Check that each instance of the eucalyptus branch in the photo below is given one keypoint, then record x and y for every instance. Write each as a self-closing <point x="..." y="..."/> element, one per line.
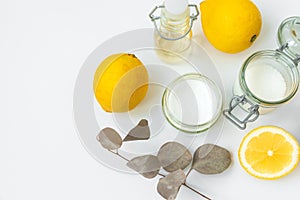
<point x="173" y="157"/>
<point x="162" y="175"/>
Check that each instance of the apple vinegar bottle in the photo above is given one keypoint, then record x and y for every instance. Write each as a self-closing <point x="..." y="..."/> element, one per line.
<point x="173" y="28"/>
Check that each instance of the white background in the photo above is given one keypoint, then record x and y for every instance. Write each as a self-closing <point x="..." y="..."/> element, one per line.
<point x="42" y="47"/>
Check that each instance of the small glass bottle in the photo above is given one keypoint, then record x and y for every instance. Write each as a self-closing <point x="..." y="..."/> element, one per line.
<point x="173" y="28"/>
<point x="268" y="78"/>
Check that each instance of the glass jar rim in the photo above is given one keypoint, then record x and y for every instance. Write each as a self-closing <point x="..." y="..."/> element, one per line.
<point x="185" y="127"/>
<point x="257" y="100"/>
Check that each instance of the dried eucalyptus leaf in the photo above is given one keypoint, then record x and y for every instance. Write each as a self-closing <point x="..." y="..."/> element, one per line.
<point x="109" y="139"/>
<point x="211" y="159"/>
<point x="168" y="186"/>
<point x="139" y="132"/>
<point x="174" y="156"/>
<point x="147" y="165"/>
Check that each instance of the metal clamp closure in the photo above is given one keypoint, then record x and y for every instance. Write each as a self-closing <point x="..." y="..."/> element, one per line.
<point x="285" y="46"/>
<point x="193" y="17"/>
<point x="252" y="115"/>
<point x="297" y="60"/>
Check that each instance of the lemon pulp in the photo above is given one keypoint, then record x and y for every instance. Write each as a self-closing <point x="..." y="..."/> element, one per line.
<point x="269" y="152"/>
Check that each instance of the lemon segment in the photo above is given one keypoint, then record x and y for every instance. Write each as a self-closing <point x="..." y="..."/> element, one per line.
<point x="269" y="152"/>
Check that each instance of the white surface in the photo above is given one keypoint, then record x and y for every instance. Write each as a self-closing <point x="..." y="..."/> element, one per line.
<point x="43" y="44"/>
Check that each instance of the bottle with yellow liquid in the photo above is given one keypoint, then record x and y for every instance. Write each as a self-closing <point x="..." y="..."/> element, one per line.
<point x="173" y="25"/>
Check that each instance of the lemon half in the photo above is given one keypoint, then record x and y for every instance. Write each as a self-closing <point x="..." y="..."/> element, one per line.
<point x="269" y="152"/>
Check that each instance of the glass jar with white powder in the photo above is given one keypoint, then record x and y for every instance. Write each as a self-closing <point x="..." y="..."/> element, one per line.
<point x="268" y="78"/>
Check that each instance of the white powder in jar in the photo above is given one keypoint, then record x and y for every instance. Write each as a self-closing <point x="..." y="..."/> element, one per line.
<point x="266" y="82"/>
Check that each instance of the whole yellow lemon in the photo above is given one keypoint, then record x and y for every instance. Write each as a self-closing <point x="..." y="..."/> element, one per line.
<point x="230" y="25"/>
<point x="120" y="82"/>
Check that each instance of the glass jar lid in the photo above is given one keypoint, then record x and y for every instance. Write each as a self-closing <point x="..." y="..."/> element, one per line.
<point x="289" y="37"/>
<point x="192" y="103"/>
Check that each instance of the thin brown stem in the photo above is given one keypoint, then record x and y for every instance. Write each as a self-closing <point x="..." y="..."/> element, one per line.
<point x="162" y="175"/>
<point x="187" y="174"/>
<point x="189" y="187"/>
<point x="117" y="153"/>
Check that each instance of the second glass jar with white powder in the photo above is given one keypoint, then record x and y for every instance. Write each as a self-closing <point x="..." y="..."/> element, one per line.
<point x="268" y="78"/>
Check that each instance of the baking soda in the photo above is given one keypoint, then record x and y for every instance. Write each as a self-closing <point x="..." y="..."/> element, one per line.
<point x="193" y="102"/>
<point x="266" y="82"/>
